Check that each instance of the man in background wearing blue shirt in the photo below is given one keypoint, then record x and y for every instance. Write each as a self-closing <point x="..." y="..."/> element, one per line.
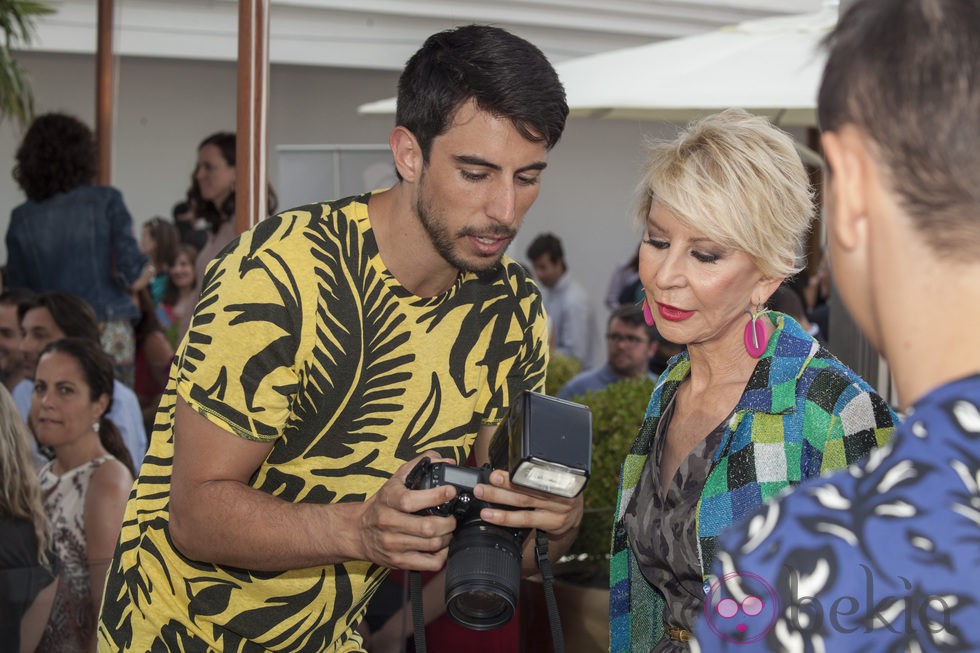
<point x="571" y="320"/>
<point x="630" y="344"/>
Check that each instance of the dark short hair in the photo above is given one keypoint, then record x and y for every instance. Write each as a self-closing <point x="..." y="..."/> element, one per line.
<point x="181" y="207"/>
<point x="71" y="313"/>
<point x="16" y="297"/>
<point x="546" y="244"/>
<point x="56" y="155"/>
<point x="905" y="73"/>
<point x="632" y="314"/>
<point x="506" y="76"/>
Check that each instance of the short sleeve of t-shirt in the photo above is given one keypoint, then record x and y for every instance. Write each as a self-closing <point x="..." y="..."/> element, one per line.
<point x="237" y="363"/>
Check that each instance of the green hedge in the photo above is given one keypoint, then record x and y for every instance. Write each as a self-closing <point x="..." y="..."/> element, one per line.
<point x="617" y="412"/>
<point x="561" y="369"/>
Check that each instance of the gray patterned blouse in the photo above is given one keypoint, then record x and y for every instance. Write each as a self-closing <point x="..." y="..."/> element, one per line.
<point x="662" y="530"/>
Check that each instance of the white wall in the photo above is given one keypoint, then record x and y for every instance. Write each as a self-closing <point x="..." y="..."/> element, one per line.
<point x="165" y="107"/>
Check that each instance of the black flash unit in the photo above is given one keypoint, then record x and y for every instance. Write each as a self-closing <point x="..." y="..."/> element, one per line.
<point x="546" y="443"/>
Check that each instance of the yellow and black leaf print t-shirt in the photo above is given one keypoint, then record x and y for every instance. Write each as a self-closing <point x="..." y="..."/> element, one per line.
<point x="303" y="339"/>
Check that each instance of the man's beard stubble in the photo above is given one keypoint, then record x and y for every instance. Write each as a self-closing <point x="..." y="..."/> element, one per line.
<point x="444" y="242"/>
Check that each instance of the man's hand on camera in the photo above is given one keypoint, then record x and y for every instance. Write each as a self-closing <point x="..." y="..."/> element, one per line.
<point x="392" y="535"/>
<point x="557" y="516"/>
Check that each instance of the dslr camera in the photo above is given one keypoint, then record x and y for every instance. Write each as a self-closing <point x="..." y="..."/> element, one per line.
<point x="546" y="444"/>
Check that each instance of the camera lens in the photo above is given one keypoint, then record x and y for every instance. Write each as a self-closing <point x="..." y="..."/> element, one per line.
<point x="483" y="575"/>
<point x="481" y="609"/>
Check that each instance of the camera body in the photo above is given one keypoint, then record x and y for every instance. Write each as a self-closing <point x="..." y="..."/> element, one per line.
<point x="483" y="571"/>
<point x="546" y="443"/>
<point x="464" y="505"/>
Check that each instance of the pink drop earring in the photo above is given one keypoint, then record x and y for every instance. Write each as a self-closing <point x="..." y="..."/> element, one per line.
<point x="647" y="313"/>
<point x="756" y="338"/>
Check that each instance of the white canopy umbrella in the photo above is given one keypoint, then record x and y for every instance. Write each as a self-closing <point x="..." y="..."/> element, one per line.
<point x="771" y="67"/>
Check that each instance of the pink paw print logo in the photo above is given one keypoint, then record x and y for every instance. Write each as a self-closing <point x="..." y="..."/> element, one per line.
<point x="741" y="607"/>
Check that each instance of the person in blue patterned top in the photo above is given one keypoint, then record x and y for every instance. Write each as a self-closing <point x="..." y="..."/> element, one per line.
<point x="755" y="404"/>
<point x="884" y="556"/>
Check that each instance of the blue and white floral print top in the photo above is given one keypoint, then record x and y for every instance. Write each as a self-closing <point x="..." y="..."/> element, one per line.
<point x="884" y="556"/>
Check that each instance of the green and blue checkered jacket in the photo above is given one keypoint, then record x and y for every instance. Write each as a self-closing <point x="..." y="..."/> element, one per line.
<point x="803" y="413"/>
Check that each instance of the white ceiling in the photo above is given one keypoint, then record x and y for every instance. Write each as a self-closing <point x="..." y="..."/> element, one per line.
<point x="382" y="34"/>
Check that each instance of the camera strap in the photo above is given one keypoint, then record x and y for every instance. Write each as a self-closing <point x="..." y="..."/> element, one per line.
<point x="418" y="616"/>
<point x="547" y="582"/>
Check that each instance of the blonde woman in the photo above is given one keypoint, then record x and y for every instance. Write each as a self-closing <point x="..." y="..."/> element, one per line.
<point x="85" y="486"/>
<point x="755" y="404"/>
<point x="26" y="566"/>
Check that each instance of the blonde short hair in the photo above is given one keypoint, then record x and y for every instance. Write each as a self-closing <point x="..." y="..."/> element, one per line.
<point x="739" y="180"/>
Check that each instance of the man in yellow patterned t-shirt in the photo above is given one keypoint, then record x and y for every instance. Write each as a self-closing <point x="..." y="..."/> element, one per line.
<point x="331" y="346"/>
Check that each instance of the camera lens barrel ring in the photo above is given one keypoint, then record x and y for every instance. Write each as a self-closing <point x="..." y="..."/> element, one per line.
<point x="483" y="575"/>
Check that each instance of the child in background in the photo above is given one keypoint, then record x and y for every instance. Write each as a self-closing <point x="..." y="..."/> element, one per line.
<point x="180" y="295"/>
<point x="159" y="242"/>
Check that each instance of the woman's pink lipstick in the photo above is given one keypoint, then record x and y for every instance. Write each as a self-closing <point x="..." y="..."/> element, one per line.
<point x="673" y="313"/>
